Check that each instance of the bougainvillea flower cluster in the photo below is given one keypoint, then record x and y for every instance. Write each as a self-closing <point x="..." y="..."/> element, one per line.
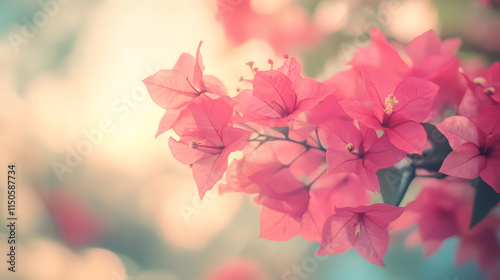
<point x="316" y="155"/>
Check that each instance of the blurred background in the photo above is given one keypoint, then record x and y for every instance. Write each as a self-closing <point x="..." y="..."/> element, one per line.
<point x="98" y="197"/>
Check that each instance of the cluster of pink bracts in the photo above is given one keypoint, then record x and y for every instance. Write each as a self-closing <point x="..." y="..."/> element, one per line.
<point x="311" y="149"/>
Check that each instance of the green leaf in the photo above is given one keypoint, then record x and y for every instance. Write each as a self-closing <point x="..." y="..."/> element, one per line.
<point x="394" y="183"/>
<point x="283" y="130"/>
<point x="431" y="160"/>
<point x="390" y="180"/>
<point x="485" y="199"/>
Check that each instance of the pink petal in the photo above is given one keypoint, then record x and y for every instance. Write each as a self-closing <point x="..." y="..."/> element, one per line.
<point x="433" y="67"/>
<point x="474" y="101"/>
<point x="208" y="171"/>
<point x="234" y="139"/>
<point x="253" y="108"/>
<point x="438" y="224"/>
<point x="450" y="46"/>
<point x="282" y="192"/>
<point x="338" y="191"/>
<point x="185" y="64"/>
<point x="348" y="85"/>
<point x="170" y="89"/>
<point x="341" y="162"/>
<point x="338" y="230"/>
<point x="340" y="133"/>
<point x="489" y="122"/>
<point x="369" y="180"/>
<point x="328" y="109"/>
<point x="211" y="117"/>
<point x="311" y="226"/>
<point x="236" y="180"/>
<point x="182" y="151"/>
<point x="381" y="213"/>
<point x="380" y="63"/>
<point x="377" y="100"/>
<point x="464" y="162"/>
<point x="308" y="164"/>
<point x="369" y="135"/>
<point x="421" y="47"/>
<point x="415" y="97"/>
<point x="198" y="68"/>
<point x="490" y="172"/>
<point x="407" y="136"/>
<point x="214" y="85"/>
<point x="291" y="68"/>
<point x="443" y="71"/>
<point x="360" y="113"/>
<point x="459" y="130"/>
<point x="276" y="90"/>
<point x="373" y="242"/>
<point x="266" y="172"/>
<point x="185" y="123"/>
<point x="277" y="226"/>
<point x="382" y="154"/>
<point x="310" y="93"/>
<point x="363" y="227"/>
<point x="167" y="121"/>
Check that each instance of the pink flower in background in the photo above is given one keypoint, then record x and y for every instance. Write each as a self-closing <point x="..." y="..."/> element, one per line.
<point x="435" y="61"/>
<point x="441" y="210"/>
<point x="429" y="45"/>
<point x="490" y="3"/>
<point x="381" y="63"/>
<point x="475" y="147"/>
<point x="76" y="223"/>
<point x="237" y="269"/>
<point x="283" y="29"/>
<point x="364" y="228"/>
<point x="482" y="243"/>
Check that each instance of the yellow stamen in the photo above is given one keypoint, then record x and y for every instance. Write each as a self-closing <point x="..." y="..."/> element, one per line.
<point x="351" y="149"/>
<point x="489" y="91"/>
<point x="488" y="137"/>
<point x="358" y="229"/>
<point x="390" y="102"/>
<point x="480" y="81"/>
